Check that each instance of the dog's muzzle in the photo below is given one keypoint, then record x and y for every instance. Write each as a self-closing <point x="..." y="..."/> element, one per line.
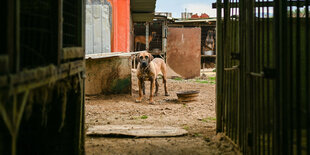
<point x="144" y="64"/>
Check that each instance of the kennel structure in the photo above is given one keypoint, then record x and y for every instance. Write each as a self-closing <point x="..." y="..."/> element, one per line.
<point x="208" y="37"/>
<point x="263" y="99"/>
<point x="42" y="77"/>
<point x="158" y="27"/>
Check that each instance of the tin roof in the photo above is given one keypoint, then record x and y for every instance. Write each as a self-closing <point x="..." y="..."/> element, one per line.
<point x="142" y="10"/>
<point x="196" y="20"/>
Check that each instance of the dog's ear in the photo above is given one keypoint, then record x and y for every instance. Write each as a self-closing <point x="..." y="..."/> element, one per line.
<point x="150" y="57"/>
<point x="137" y="57"/>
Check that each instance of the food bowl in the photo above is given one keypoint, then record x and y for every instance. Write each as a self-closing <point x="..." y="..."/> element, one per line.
<point x="188" y="96"/>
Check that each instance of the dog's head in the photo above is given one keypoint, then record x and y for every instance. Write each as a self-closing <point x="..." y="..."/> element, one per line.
<point x="153" y="34"/>
<point x="144" y="58"/>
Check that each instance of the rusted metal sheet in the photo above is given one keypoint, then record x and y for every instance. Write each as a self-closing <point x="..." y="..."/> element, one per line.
<point x="183" y="52"/>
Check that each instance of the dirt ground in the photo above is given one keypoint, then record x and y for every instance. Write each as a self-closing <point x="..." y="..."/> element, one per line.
<point x="197" y="117"/>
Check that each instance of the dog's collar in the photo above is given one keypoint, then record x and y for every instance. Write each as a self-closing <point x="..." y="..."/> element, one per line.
<point x="146" y="68"/>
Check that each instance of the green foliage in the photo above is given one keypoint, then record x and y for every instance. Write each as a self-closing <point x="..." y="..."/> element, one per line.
<point x="186" y="128"/>
<point x="177" y="79"/>
<point x="144" y="117"/>
<point x="197" y="135"/>
<point x="208" y="119"/>
<point x="211" y="80"/>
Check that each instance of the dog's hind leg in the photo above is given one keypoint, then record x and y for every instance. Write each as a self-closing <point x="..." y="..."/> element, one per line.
<point x="164" y="71"/>
<point x="156" y="87"/>
<point x="165" y="85"/>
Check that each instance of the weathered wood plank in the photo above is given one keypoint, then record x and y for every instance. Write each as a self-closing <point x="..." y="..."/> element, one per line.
<point x="135" y="131"/>
<point x="73" y="53"/>
<point x="35" y="78"/>
<point x="4" y="63"/>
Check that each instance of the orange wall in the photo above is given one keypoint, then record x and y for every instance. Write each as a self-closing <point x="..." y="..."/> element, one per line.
<point x="121" y="25"/>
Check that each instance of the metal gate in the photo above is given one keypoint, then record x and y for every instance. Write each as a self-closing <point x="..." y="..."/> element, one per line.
<point x="263" y="73"/>
<point x="98" y="27"/>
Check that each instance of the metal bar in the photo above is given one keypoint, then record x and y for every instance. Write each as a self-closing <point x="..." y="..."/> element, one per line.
<point x="229" y="81"/>
<point x="278" y="88"/>
<point x="255" y="114"/>
<point x="269" y="104"/>
<point x="259" y="94"/>
<point x="308" y="73"/>
<point x="226" y="48"/>
<point x="290" y="81"/>
<point x="242" y="43"/>
<point x="263" y="83"/>
<point x="298" y="80"/>
<point x="232" y="68"/>
<point x="219" y="70"/>
<point x="234" y="136"/>
<point x="283" y="55"/>
<point x="248" y="65"/>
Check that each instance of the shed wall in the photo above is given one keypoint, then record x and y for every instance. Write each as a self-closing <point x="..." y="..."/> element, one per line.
<point x="108" y="76"/>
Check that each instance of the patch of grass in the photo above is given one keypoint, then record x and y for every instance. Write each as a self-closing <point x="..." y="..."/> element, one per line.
<point x="204" y="120"/>
<point x="144" y="117"/>
<point x="208" y="119"/>
<point x="212" y="78"/>
<point x="197" y="135"/>
<point x="177" y="79"/>
<point x="212" y="82"/>
<point x="214" y="70"/>
<point x="201" y="81"/>
<point x="186" y="128"/>
<point x="212" y="118"/>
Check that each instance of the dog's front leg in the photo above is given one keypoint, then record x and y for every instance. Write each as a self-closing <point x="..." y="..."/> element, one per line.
<point x="139" y="99"/>
<point x="152" y="90"/>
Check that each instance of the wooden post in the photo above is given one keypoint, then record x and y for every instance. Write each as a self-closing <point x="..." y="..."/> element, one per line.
<point x="147" y="26"/>
<point x="60" y="31"/>
<point x="164" y="38"/>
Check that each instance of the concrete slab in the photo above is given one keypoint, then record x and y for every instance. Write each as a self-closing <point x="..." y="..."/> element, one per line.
<point x="135" y="131"/>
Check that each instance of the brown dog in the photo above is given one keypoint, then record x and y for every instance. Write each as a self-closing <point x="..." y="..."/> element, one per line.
<point x="148" y="70"/>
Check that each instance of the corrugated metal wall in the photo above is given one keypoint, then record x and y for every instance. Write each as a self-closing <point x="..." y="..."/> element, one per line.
<point x="263" y="97"/>
<point x="98" y="27"/>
